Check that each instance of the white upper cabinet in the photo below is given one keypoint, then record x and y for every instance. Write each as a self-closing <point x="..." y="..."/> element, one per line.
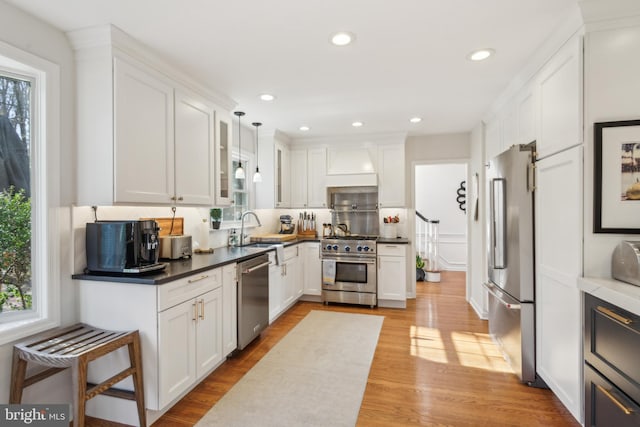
<point x="146" y="132"/>
<point x="493" y="138"/>
<point x="559" y="87"/>
<point x="299" y="182"/>
<point x="316" y="177"/>
<point x="194" y="153"/>
<point x="391" y="185"/>
<point x="163" y="139"/>
<point x="525" y="115"/>
<point x="509" y="123"/>
<point x="308" y="172"/>
<point x="143" y="167"/>
<point x="547" y="109"/>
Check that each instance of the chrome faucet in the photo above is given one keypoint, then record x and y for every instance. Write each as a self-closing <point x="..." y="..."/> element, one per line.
<point x="245" y="213"/>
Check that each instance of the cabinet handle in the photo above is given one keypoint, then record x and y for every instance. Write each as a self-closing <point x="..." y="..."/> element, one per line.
<point x="195" y="312"/>
<point x="611" y="397"/>
<point x="612" y="314"/>
<point x="202" y="309"/>
<point x="197" y="279"/>
<point x="180" y="198"/>
<point x="390" y="246"/>
<point x="173" y="198"/>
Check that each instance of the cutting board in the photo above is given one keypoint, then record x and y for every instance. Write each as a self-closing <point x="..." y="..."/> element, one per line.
<point x="165" y="226"/>
<point x="273" y="238"/>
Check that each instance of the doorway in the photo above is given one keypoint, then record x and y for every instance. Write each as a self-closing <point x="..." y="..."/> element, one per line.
<point x="440" y="191"/>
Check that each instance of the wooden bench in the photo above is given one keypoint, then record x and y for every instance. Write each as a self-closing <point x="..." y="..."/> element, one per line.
<point x="74" y="347"/>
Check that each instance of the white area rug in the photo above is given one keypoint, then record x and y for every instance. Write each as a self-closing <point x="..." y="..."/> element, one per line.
<point x="315" y="376"/>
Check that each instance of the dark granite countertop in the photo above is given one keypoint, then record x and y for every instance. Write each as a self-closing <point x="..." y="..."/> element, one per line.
<point x="177" y="269"/>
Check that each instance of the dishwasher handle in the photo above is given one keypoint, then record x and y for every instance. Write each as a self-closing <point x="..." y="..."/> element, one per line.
<point x="257" y="267"/>
<point x="490" y="287"/>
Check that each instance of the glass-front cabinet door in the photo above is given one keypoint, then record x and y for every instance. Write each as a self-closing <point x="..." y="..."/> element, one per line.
<point x="223" y="162"/>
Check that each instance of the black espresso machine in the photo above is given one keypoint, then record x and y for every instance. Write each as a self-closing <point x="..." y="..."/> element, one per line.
<point x="130" y="246"/>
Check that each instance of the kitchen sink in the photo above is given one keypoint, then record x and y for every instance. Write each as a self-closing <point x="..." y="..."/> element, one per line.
<point x="258" y="245"/>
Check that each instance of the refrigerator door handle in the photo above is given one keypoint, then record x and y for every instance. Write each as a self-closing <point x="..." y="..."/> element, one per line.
<point x="498" y="223"/>
<point x="514" y="304"/>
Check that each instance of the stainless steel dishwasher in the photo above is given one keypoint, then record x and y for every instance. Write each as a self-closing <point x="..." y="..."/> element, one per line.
<point x="253" y="298"/>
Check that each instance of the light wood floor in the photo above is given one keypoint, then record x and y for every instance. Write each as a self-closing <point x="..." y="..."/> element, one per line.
<point x="434" y="365"/>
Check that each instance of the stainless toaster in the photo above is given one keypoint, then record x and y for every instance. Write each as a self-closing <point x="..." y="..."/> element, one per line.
<point x="175" y="247"/>
<point x="625" y="262"/>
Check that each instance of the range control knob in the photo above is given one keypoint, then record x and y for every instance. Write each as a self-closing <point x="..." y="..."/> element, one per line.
<point x="347" y="248"/>
<point x="366" y="249"/>
<point x="359" y="248"/>
<point x="335" y="247"/>
<point x="328" y="247"/>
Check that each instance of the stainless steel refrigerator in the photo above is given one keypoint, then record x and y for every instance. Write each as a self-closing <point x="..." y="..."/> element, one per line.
<point x="511" y="284"/>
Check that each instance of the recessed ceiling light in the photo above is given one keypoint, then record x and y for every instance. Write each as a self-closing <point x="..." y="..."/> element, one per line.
<point x="304" y="128"/>
<point x="356" y="124"/>
<point x="480" y="54"/>
<point x="342" y="38"/>
<point x="415" y="119"/>
<point x="267" y="97"/>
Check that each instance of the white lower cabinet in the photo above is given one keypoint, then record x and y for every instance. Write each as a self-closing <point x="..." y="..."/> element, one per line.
<point x="276" y="291"/>
<point x="286" y="280"/>
<point x="558" y="265"/>
<point x="292" y="275"/>
<point x="229" y="308"/>
<point x="181" y="325"/>
<point x="392" y="275"/>
<point x="189" y="343"/>
<point x="312" y="269"/>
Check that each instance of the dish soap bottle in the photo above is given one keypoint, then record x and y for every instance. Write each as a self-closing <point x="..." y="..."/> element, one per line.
<point x="233" y="237"/>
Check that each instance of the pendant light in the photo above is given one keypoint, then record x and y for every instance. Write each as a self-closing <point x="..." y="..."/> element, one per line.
<point x="256" y="176"/>
<point x="239" y="171"/>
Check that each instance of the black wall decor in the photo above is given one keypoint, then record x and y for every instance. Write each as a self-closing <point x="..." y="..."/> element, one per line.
<point x="462" y="196"/>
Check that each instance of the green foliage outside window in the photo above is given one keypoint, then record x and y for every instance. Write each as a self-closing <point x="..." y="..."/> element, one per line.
<point x="15" y="250"/>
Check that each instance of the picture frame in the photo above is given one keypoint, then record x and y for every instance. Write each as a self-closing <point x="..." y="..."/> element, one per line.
<point x="616" y="186"/>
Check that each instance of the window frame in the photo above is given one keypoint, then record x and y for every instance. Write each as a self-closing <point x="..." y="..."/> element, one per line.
<point x="247" y="159"/>
<point x="45" y="195"/>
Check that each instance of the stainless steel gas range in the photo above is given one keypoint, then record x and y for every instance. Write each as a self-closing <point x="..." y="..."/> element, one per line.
<point x="349" y="272"/>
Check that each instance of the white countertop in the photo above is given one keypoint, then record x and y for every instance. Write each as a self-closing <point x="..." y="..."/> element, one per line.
<point x="624" y="295"/>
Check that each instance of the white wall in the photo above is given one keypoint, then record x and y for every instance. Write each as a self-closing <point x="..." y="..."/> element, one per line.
<point x="612" y="90"/>
<point x="435" y="197"/>
<point x="477" y="270"/>
<point x="431" y="148"/>
<point x="33" y="36"/>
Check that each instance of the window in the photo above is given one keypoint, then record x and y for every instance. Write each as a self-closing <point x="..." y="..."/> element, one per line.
<point x="239" y="192"/>
<point x="15" y="195"/>
<point x="29" y="194"/>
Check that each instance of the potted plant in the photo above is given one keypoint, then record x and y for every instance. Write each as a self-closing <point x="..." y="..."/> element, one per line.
<point x="420" y="275"/>
<point x="216" y="217"/>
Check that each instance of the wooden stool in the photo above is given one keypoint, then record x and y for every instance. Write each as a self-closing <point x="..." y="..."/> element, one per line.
<point x="74" y="347"/>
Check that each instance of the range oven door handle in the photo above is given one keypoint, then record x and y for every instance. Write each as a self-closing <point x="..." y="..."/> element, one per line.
<point x="511" y="305"/>
<point x="352" y="260"/>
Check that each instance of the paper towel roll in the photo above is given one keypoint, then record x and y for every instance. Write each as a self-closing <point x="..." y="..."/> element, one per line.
<point x="204" y="234"/>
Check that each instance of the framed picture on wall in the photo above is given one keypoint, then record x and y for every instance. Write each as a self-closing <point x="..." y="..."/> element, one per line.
<point x="616" y="201"/>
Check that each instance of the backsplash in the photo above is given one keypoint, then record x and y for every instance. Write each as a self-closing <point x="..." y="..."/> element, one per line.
<point x="270" y="219"/>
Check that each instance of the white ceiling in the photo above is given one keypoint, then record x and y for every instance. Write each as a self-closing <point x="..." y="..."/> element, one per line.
<point x="409" y="58"/>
